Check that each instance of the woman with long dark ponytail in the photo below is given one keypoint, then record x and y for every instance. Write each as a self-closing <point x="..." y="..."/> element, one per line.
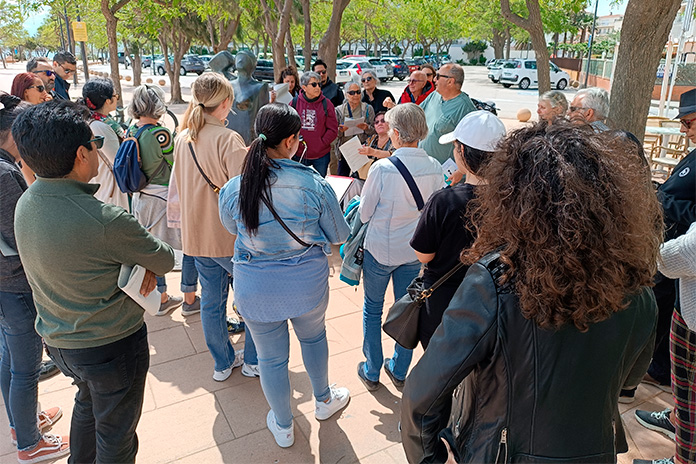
<point x="285" y="217"/>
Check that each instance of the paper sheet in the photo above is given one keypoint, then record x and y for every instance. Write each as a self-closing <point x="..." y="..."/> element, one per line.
<point x="448" y="167"/>
<point x="130" y="279"/>
<point x="349" y="150"/>
<point x="339" y="184"/>
<point x="282" y="94"/>
<point x="352" y="125"/>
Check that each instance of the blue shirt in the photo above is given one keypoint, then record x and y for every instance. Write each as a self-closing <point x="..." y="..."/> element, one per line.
<point x="271" y="257"/>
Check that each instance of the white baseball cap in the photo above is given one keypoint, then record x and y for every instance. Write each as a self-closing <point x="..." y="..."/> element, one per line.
<point x="481" y="130"/>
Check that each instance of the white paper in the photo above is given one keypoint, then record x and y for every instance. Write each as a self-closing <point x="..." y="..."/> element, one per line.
<point x="448" y="167"/>
<point x="339" y="184"/>
<point x="349" y="150"/>
<point x="282" y="93"/>
<point x="130" y="279"/>
<point x="352" y="125"/>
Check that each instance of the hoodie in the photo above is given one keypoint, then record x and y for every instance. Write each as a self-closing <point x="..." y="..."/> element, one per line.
<point x="319" y="124"/>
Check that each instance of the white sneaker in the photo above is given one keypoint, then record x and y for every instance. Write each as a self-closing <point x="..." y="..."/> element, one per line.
<point x="221" y="376"/>
<point x="283" y="437"/>
<point x="339" y="399"/>
<point x="251" y="370"/>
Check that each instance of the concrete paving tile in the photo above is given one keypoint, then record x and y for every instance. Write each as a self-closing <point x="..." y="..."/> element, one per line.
<point x="644" y="393"/>
<point x="194" y="330"/>
<point x="258" y="447"/>
<point x="353" y="294"/>
<point x="339" y="305"/>
<point x="244" y="406"/>
<point x="187" y="378"/>
<point x="175" y="431"/>
<point x="169" y="344"/>
<point x="397" y="453"/>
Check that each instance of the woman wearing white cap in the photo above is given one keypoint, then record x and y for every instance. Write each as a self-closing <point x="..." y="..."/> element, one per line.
<point x="442" y="231"/>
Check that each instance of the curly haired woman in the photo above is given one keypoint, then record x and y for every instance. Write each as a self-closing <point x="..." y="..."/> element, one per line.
<point x="553" y="313"/>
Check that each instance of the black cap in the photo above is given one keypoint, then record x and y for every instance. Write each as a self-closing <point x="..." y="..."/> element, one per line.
<point x="687" y="103"/>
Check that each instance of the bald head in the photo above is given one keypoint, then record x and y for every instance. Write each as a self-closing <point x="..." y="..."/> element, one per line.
<point x="416" y="82"/>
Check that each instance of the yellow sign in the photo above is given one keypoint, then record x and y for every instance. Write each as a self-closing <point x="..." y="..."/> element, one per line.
<point x="79" y="31"/>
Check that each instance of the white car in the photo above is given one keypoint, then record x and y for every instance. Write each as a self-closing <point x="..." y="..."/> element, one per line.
<point x="380" y="70"/>
<point x="523" y="73"/>
<point x="496" y="70"/>
<point x="347" y="70"/>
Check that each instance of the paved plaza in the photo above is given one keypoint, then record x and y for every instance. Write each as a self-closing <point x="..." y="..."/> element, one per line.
<point x="189" y="418"/>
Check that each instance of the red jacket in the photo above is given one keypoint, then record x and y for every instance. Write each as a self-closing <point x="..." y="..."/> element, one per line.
<point x="319" y="124"/>
<point x="407" y="96"/>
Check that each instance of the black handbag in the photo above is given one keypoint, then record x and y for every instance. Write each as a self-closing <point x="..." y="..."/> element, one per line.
<point x="402" y="318"/>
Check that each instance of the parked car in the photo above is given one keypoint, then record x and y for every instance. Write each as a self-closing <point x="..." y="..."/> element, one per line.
<point x="347" y="70"/>
<point x="496" y="70"/>
<point x="206" y="60"/>
<point x="399" y="66"/>
<point x="495" y="62"/>
<point x="420" y="61"/>
<point x="380" y="70"/>
<point x="123" y="59"/>
<point x="148" y="59"/>
<point x="412" y="65"/>
<point x="523" y="73"/>
<point x="382" y="65"/>
<point x="189" y="63"/>
<point x="264" y="70"/>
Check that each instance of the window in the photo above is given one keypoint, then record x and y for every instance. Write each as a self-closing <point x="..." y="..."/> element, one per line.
<point x="530" y="65"/>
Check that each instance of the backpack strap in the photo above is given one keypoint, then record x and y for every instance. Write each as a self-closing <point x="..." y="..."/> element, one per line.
<point x="142" y="129"/>
<point x="409" y="181"/>
<point x="293" y="103"/>
<point x="323" y="103"/>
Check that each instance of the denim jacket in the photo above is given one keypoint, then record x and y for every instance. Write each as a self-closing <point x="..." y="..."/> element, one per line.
<point x="305" y="202"/>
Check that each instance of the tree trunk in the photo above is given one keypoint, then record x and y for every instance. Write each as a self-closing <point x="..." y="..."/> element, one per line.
<point x="277" y="30"/>
<point x="328" y="45"/>
<point x="227" y="32"/>
<point x="532" y="24"/>
<point x="290" y="50"/>
<point x="307" y="47"/>
<point x="498" y="43"/>
<point x="137" y="64"/>
<point x="180" y="44"/>
<point x="111" y="23"/>
<point x="508" y="43"/>
<point x="644" y="33"/>
<point x="210" y="27"/>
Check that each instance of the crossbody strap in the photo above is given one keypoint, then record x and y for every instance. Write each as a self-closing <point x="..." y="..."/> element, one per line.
<point x="280" y="221"/>
<point x="429" y="291"/>
<point x="215" y="188"/>
<point x="409" y="181"/>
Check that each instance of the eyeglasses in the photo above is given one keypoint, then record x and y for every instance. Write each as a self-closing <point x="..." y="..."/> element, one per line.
<point x="687" y="122"/>
<point x="313" y="84"/>
<point x="321" y="72"/>
<point x="576" y="108"/>
<point x="366" y="79"/>
<point x="40" y="88"/>
<point x="380" y="121"/>
<point x="114" y="96"/>
<point x="438" y="75"/>
<point x="412" y="81"/>
<point x="429" y="74"/>
<point x="48" y="72"/>
<point x="67" y="71"/>
<point x="353" y="92"/>
<point x="98" y="142"/>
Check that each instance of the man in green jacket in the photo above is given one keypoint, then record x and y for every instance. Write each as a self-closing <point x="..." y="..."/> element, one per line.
<point x="72" y="247"/>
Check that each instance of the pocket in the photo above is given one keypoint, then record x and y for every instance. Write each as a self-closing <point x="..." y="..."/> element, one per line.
<point x="108" y="377"/>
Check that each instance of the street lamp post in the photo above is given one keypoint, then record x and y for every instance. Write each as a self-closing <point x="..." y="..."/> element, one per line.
<point x="589" y="52"/>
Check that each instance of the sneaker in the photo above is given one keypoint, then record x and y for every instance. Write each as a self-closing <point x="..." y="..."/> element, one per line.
<point x="657" y="421"/>
<point x="339" y="399"/>
<point x="664" y="386"/>
<point x="250" y="370"/>
<point x="654" y="461"/>
<point x="221" y="376"/>
<point x="397" y="383"/>
<point x="44" y="421"/>
<point x="172" y="302"/>
<point x="627" y="395"/>
<point x="49" y="448"/>
<point x="371" y="385"/>
<point x="235" y="326"/>
<point x="48" y="370"/>
<point x="283" y="437"/>
<point x="193" y="308"/>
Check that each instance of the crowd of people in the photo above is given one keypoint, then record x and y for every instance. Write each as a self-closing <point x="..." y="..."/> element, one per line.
<point x="541" y="247"/>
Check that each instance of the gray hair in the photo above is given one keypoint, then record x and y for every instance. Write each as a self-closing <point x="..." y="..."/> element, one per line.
<point x="409" y="120"/>
<point x="308" y="76"/>
<point x="596" y="99"/>
<point x="348" y="85"/>
<point x="374" y="76"/>
<point x="556" y="98"/>
<point x="148" y="102"/>
<point x="457" y="73"/>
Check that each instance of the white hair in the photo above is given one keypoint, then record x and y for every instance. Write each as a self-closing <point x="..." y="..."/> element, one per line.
<point x="409" y="120"/>
<point x="596" y="99"/>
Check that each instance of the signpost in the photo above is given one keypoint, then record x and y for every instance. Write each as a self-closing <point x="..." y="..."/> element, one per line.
<point x="80" y="35"/>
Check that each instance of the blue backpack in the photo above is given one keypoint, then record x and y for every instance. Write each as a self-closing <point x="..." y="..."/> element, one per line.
<point x="128" y="165"/>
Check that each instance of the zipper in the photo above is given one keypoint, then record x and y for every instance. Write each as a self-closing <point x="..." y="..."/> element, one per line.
<point x="502" y="448"/>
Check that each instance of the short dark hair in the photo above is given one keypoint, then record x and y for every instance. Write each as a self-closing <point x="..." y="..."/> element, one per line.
<point x="319" y="62"/>
<point x="33" y="63"/>
<point x="48" y="136"/>
<point x="473" y="157"/>
<point x="64" y="57"/>
<point x="96" y="92"/>
<point x="12" y="106"/>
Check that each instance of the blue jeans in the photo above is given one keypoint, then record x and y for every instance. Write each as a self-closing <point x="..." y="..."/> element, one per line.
<point x="109" y="400"/>
<point x="375" y="280"/>
<point x="189" y="277"/>
<point x="215" y="275"/>
<point x="320" y="164"/>
<point x="274" y="351"/>
<point x="21" y="362"/>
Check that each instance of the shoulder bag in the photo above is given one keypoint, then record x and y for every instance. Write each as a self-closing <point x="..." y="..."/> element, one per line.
<point x="402" y="318"/>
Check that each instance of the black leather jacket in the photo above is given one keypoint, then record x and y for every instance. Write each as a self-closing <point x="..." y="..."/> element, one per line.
<point x="526" y="394"/>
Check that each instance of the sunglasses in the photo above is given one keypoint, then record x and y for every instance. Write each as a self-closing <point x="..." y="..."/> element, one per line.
<point x="98" y="141"/>
<point x="576" y="108"/>
<point x="48" y="73"/>
<point x="380" y="121"/>
<point x="413" y="81"/>
<point x="313" y="84"/>
<point x="353" y="92"/>
<point x="366" y="79"/>
<point x="429" y="74"/>
<point x="687" y="122"/>
<point x="321" y="72"/>
<point x="67" y="71"/>
<point x="40" y="88"/>
<point x="438" y="76"/>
